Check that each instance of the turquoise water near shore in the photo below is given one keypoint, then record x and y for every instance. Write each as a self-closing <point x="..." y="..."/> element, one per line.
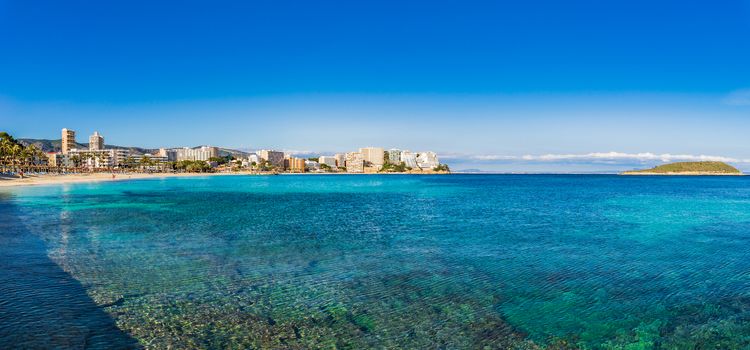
<point x="459" y="261"/>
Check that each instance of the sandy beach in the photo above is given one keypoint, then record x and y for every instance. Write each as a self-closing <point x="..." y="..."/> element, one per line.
<point x="51" y="179"/>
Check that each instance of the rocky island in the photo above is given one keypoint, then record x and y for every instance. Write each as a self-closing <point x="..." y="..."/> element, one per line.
<point x="688" y="168"/>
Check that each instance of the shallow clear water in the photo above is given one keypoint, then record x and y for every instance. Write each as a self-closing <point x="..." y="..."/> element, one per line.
<point x="460" y="261"/>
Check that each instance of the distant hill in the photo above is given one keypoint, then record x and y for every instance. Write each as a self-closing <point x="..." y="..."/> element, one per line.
<point x="56" y="146"/>
<point x="223" y="152"/>
<point x="688" y="168"/>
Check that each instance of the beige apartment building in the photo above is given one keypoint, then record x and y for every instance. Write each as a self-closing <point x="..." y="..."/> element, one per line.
<point x="373" y="156"/>
<point x="355" y="162"/>
<point x="275" y="158"/>
<point x="68" y="140"/>
<point x="296" y="165"/>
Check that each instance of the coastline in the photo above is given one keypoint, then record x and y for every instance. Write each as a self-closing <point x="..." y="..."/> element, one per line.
<point x="54" y="179"/>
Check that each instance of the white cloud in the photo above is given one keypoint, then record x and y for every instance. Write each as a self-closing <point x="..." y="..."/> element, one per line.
<point x="610" y="157"/>
<point x="738" y="98"/>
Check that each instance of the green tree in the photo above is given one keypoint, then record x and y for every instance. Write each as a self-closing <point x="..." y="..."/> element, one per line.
<point x="129" y="162"/>
<point x="219" y="160"/>
<point x="443" y="167"/>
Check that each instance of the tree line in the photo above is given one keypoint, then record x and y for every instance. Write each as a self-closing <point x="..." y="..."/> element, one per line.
<point x="15" y="157"/>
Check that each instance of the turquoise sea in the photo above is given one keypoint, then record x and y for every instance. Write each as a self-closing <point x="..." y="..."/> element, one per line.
<point x="392" y="261"/>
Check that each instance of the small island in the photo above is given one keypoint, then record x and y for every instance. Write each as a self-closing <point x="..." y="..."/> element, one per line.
<point x="688" y="168"/>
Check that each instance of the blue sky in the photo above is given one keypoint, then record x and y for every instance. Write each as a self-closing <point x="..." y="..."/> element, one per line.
<point x="509" y="86"/>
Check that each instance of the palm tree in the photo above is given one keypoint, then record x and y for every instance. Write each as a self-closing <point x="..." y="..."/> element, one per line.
<point x="5" y="147"/>
<point x="99" y="159"/>
<point x="76" y="159"/>
<point x="15" y="156"/>
<point x="146" y="161"/>
<point x="29" y="157"/>
<point x="129" y="162"/>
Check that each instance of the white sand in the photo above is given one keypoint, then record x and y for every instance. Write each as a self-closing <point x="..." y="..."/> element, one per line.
<point x="49" y="179"/>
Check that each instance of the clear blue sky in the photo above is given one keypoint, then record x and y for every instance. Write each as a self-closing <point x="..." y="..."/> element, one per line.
<point x="483" y="82"/>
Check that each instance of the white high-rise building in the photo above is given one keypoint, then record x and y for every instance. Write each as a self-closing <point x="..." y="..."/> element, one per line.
<point x="409" y="159"/>
<point x="96" y="142"/>
<point x="373" y="156"/>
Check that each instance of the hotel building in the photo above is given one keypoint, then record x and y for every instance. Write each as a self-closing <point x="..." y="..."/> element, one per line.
<point x="253" y="158"/>
<point x="340" y="159"/>
<point x="312" y="165"/>
<point x="55" y="159"/>
<point x="68" y="140"/>
<point x="275" y="158"/>
<point x="203" y="153"/>
<point x="92" y="159"/>
<point x="169" y="154"/>
<point x="409" y="159"/>
<point x="328" y="160"/>
<point x="355" y="162"/>
<point x="394" y="156"/>
<point x="296" y="165"/>
<point x="427" y="160"/>
<point x="373" y="156"/>
<point x="96" y="142"/>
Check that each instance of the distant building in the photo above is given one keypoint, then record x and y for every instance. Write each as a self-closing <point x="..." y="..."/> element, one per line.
<point x="96" y="142"/>
<point x="394" y="156"/>
<point x="427" y="160"/>
<point x="328" y="160"/>
<point x="409" y="159"/>
<point x="55" y="159"/>
<point x="169" y="154"/>
<point x="355" y="162"/>
<point x="296" y="165"/>
<point x="340" y="159"/>
<point x="68" y="140"/>
<point x="253" y="158"/>
<point x="373" y="156"/>
<point x="312" y="165"/>
<point x="153" y="158"/>
<point x="203" y="153"/>
<point x="275" y="158"/>
<point x="97" y="159"/>
<point x="119" y="156"/>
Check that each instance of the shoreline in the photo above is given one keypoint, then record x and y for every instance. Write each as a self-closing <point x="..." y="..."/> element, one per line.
<point x="55" y="179"/>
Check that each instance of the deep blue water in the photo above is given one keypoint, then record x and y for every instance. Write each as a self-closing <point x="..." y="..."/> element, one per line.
<point x="459" y="261"/>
